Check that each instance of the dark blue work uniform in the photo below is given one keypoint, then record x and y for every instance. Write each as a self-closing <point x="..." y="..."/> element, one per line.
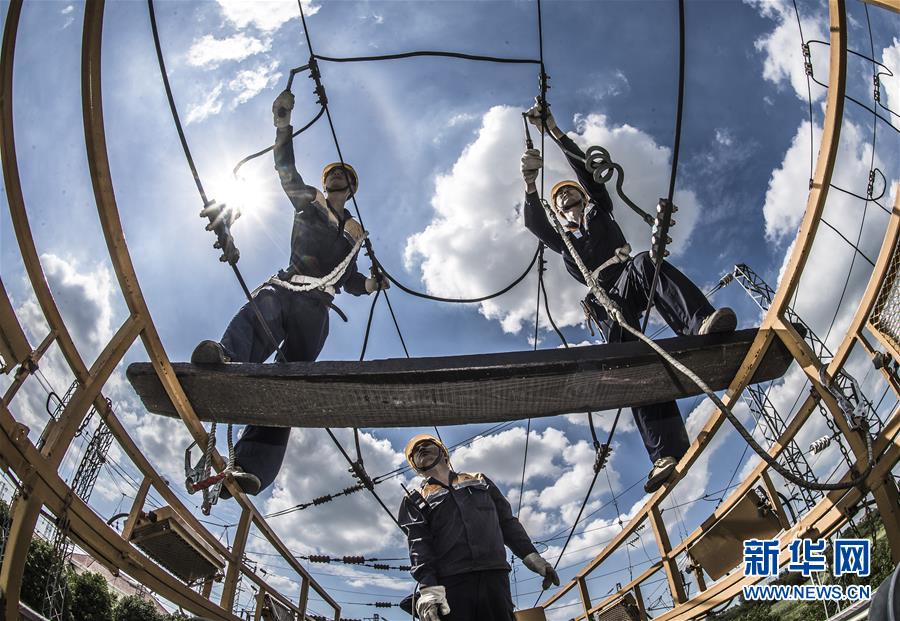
<point x="458" y="542"/>
<point x="320" y="240"/>
<point x="678" y="300"/>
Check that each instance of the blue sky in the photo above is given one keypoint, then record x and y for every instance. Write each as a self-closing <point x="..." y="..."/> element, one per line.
<point x="437" y="144"/>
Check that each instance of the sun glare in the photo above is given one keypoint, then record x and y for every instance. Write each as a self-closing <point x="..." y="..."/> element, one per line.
<point x="251" y="193"/>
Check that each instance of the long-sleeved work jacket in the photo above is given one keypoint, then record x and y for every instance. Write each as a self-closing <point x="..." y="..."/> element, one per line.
<point x="599" y="235"/>
<point x="463" y="529"/>
<point x="321" y="238"/>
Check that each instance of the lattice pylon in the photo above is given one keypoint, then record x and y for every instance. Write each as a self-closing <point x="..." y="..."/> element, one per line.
<point x="82" y="486"/>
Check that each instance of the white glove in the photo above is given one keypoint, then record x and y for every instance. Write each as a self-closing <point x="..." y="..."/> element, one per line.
<point x="536" y="563"/>
<point x="281" y="108"/>
<point x="534" y="116"/>
<point x="532" y="162"/>
<point x="432" y="603"/>
<point x="374" y="284"/>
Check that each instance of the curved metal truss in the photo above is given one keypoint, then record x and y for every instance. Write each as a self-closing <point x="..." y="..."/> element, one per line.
<point x="36" y="465"/>
<point x="832" y="511"/>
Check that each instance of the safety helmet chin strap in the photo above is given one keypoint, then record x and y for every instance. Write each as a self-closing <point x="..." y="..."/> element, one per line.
<point x="434" y="463"/>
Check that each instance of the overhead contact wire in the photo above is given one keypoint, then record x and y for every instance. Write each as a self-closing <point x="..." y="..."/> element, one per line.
<point x="193" y="167"/>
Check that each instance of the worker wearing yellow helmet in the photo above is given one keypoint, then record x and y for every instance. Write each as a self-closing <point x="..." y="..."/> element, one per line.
<point x="294" y="303"/>
<point x="586" y="211"/>
<point x="458" y="526"/>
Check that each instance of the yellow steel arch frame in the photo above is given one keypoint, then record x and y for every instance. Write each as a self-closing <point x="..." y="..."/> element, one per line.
<point x="831" y="511"/>
<point x="37" y="470"/>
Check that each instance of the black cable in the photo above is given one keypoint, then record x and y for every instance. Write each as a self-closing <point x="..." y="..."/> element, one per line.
<point x="862" y="221"/>
<point x="574" y="525"/>
<point x="672" y="176"/>
<point x="193" y="167"/>
<point x="400" y="334"/>
<point x="436" y="298"/>
<point x="853" y="99"/>
<point x="371" y="489"/>
<point x="237" y="166"/>
<point x="851" y="244"/>
<point x="365" y="344"/>
<point x="440" y="54"/>
<point x="805" y="49"/>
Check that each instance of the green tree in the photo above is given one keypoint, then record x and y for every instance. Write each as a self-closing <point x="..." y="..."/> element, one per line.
<point x="133" y="608"/>
<point x="38" y="565"/>
<point x="89" y="597"/>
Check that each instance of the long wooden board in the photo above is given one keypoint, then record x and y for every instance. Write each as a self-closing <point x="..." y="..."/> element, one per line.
<point x="400" y="392"/>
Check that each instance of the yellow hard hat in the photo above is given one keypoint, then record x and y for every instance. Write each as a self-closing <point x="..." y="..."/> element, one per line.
<point x="419" y="439"/>
<point x="567" y="183"/>
<point x="354" y="178"/>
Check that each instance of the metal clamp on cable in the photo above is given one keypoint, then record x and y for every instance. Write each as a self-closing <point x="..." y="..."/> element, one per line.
<point x="855" y="414"/>
<point x="316" y="77"/>
<point x="602" y="452"/>
<point x="358" y="470"/>
<point x="659" y="234"/>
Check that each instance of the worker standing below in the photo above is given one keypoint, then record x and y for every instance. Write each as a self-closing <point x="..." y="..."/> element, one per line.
<point x="294" y="304"/>
<point x="586" y="212"/>
<point x="456" y="525"/>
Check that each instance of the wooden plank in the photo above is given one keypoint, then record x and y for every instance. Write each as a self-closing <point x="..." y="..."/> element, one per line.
<point x="136" y="508"/>
<point x="236" y="561"/>
<point x="456" y="389"/>
<point x="585" y="595"/>
<point x="673" y="574"/>
<point x="890" y="5"/>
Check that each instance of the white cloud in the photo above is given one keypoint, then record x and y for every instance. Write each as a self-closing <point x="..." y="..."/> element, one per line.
<point x="210" y="106"/>
<point x="606" y="84"/>
<point x="890" y="56"/>
<point x="724" y="137"/>
<point x="783" y="58"/>
<point x="477" y="242"/>
<point x="85" y="299"/>
<point x="267" y="15"/>
<point x="208" y="51"/>
<point x="500" y="456"/>
<point x="786" y="196"/>
<point x="250" y="82"/>
<point x="353" y="524"/>
<point x="68" y="9"/>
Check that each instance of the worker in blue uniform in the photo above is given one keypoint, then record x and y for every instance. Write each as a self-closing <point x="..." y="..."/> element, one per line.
<point x="294" y="303"/>
<point x="458" y="526"/>
<point x="585" y="210"/>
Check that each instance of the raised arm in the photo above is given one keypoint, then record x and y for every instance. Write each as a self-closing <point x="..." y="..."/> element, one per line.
<point x="535" y="217"/>
<point x="574" y="155"/>
<point x="291" y="181"/>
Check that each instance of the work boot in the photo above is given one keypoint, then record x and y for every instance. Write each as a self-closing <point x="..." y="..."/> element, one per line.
<point x="247" y="481"/>
<point x="722" y="320"/>
<point x="209" y="352"/>
<point x="660" y="473"/>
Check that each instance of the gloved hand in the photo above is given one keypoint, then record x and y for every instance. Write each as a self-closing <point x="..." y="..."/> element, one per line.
<point x="432" y="603"/>
<point x="534" y="116"/>
<point x="221" y="217"/>
<point x="536" y="563"/>
<point x="532" y="162"/>
<point x="375" y="283"/>
<point x="281" y="108"/>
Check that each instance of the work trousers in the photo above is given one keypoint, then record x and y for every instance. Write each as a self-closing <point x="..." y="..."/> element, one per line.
<point x="479" y="596"/>
<point x="299" y="323"/>
<point x="683" y="307"/>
